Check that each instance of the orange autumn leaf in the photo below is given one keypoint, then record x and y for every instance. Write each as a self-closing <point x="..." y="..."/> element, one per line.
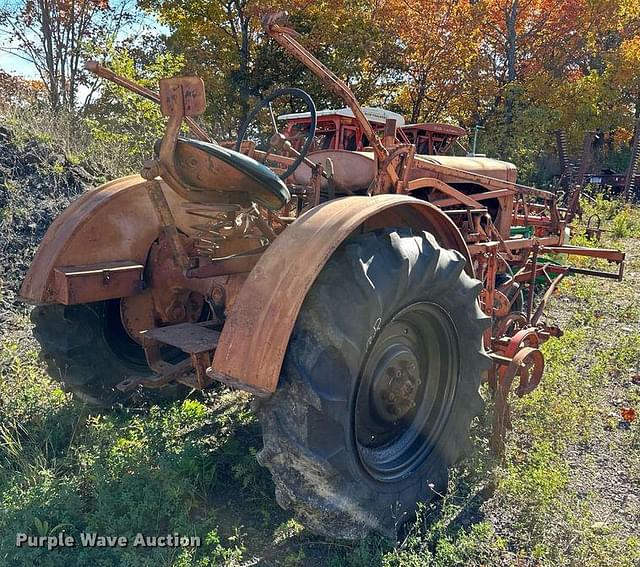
<point x="628" y="414"/>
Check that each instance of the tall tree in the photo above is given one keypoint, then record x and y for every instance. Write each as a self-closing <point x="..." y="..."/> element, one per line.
<point x="438" y="40"/>
<point x="51" y="35"/>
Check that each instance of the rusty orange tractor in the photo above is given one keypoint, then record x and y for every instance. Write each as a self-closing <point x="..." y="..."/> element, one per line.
<point x="362" y="296"/>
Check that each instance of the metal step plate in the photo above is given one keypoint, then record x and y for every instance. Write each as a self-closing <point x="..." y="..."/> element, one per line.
<point x="192" y="338"/>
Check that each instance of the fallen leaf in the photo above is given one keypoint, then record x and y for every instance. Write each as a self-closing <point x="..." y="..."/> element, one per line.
<point x="628" y="414"/>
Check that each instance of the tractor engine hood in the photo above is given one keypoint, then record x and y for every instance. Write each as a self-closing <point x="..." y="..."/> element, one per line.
<point x="354" y="171"/>
<point x="490" y="167"/>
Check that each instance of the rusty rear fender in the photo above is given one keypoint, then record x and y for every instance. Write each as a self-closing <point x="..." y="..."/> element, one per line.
<point x="110" y="225"/>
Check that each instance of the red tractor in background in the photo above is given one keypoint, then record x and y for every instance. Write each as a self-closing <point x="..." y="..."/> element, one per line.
<point x="339" y="130"/>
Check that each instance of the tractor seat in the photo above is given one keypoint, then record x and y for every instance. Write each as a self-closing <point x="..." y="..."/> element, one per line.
<point x="209" y="170"/>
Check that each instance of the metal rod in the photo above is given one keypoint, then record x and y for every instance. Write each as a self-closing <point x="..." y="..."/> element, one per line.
<point x="532" y="281"/>
<point x="97" y="69"/>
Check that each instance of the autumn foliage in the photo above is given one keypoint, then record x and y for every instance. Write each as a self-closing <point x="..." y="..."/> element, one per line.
<point x="517" y="68"/>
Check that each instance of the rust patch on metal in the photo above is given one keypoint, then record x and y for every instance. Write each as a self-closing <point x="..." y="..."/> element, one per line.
<point x="188" y="337"/>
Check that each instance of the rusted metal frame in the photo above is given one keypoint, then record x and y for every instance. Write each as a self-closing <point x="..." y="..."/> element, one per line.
<point x="239" y="264"/>
<point x="608" y="254"/>
<point x="600" y="274"/>
<point x="547" y="269"/>
<point x="517" y="244"/>
<point x="442" y="187"/>
<point x="262" y="156"/>
<point x="490" y="262"/>
<point x="97" y="69"/>
<point x="389" y="134"/>
<point x="469" y="232"/>
<point x="532" y="220"/>
<point x="165" y="166"/>
<point x="201" y="362"/>
<point x="535" y="318"/>
<point x="516" y="355"/>
<point x="405" y="169"/>
<point x="387" y="177"/>
<point x="532" y="281"/>
<point x="493" y="231"/>
<point x="498" y="194"/>
<point x="480" y="179"/>
<point x="191" y="338"/>
<point x="525" y="273"/>
<point x="167" y="224"/>
<point x="604" y="253"/>
<point x="199" y="357"/>
<point x="263" y="225"/>
<point x="110" y="280"/>
<point x="539" y="207"/>
<point x="525" y="209"/>
<point x="316" y="182"/>
<point x="181" y="372"/>
<point x="528" y="365"/>
<point x="171" y="373"/>
<point x="179" y="99"/>
<point x="508" y="325"/>
<point x="491" y="183"/>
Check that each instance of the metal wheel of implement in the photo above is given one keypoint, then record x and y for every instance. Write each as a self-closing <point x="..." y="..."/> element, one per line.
<point x="87" y="349"/>
<point x="379" y="385"/>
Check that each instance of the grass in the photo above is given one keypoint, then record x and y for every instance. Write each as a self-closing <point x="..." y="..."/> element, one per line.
<point x="73" y="136"/>
<point x="189" y="467"/>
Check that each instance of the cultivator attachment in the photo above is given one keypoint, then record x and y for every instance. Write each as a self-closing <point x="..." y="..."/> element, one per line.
<point x="515" y="336"/>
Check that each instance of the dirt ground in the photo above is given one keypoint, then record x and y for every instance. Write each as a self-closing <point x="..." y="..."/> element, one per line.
<point x="36" y="185"/>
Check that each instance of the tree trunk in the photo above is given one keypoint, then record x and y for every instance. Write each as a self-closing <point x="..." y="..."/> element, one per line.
<point x="511" y="13"/>
<point x="47" y="39"/>
<point x="245" y="56"/>
<point x="511" y="40"/>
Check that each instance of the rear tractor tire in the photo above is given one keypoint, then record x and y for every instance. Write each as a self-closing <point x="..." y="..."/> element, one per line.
<point x="87" y="349"/>
<point x="379" y="386"/>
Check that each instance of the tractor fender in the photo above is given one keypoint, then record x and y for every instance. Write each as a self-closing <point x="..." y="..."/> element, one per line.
<point x="114" y="223"/>
<point x="256" y="333"/>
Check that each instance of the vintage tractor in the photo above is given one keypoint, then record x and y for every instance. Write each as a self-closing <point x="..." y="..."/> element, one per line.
<point x="362" y="296"/>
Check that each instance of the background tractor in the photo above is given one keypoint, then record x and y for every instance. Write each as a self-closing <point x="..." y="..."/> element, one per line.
<point x="361" y="290"/>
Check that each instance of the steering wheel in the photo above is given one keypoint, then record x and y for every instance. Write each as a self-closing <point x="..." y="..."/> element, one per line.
<point x="278" y="140"/>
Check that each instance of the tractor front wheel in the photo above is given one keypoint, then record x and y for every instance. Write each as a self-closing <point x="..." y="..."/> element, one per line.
<point x="379" y="386"/>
